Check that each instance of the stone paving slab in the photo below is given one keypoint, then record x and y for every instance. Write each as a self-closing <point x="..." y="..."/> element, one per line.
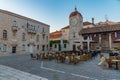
<point x="8" y="73"/>
<point x="85" y="70"/>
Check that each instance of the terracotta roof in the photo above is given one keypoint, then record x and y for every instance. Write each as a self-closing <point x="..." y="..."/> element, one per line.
<point x="66" y="27"/>
<point x="75" y="13"/>
<point x="86" y="23"/>
<point x="107" y="22"/>
<point x="105" y="28"/>
<point x="56" y="34"/>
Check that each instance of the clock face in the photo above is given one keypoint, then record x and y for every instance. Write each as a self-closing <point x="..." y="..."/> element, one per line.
<point x="73" y="21"/>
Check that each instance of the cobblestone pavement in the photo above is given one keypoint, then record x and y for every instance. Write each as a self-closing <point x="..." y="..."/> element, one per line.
<point x="84" y="70"/>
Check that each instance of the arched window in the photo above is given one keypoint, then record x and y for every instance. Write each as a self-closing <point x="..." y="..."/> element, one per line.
<point x="23" y="47"/>
<point x="23" y="36"/>
<point x="4" y="34"/>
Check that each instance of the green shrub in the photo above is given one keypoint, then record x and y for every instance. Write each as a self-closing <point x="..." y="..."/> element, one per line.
<point x="85" y="47"/>
<point x="117" y="48"/>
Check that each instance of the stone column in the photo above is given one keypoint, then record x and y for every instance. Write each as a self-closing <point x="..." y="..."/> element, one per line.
<point x="99" y="40"/>
<point x="100" y="43"/>
<point x="61" y="43"/>
<point x="110" y="41"/>
<point x="81" y="41"/>
<point x="88" y="43"/>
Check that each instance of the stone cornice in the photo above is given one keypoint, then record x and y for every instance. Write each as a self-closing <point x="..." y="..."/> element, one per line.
<point x="22" y="17"/>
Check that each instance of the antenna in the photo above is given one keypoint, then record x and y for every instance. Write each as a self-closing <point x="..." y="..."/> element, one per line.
<point x="106" y="17"/>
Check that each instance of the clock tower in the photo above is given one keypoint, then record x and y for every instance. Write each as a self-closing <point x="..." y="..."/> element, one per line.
<point x="75" y="24"/>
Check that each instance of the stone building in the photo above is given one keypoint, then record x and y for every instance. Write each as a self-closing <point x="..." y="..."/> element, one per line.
<point x="88" y="35"/>
<point x="68" y="37"/>
<point x="20" y="34"/>
<point x="105" y="37"/>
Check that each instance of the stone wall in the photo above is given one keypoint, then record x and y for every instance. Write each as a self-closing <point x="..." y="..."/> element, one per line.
<point x="14" y="37"/>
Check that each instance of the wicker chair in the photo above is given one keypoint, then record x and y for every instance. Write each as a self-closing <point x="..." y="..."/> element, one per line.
<point x="110" y="62"/>
<point x="33" y="56"/>
<point x="38" y="56"/>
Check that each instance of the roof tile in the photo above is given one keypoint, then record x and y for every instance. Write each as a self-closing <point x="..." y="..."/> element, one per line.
<point x="106" y="28"/>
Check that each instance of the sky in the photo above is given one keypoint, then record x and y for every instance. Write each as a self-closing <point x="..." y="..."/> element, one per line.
<point x="56" y="12"/>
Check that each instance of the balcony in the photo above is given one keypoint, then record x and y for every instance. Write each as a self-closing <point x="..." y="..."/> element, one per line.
<point x="31" y="31"/>
<point x="31" y="41"/>
<point x="14" y="28"/>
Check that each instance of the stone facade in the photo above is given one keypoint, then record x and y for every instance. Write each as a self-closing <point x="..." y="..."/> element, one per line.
<point x="70" y="33"/>
<point x="89" y="36"/>
<point x="58" y="41"/>
<point x="76" y="24"/>
<point x="105" y="40"/>
<point x="20" y="34"/>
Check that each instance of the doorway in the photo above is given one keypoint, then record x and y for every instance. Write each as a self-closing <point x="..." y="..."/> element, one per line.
<point x="31" y="49"/>
<point x="59" y="48"/>
<point x="14" y="49"/>
<point x="74" y="47"/>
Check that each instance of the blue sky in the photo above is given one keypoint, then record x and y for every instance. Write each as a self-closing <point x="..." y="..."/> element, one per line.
<point x="56" y="12"/>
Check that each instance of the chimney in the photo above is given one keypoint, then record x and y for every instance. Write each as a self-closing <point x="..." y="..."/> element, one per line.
<point x="92" y="20"/>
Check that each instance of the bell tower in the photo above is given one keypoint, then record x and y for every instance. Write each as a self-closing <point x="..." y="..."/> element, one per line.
<point x="75" y="24"/>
